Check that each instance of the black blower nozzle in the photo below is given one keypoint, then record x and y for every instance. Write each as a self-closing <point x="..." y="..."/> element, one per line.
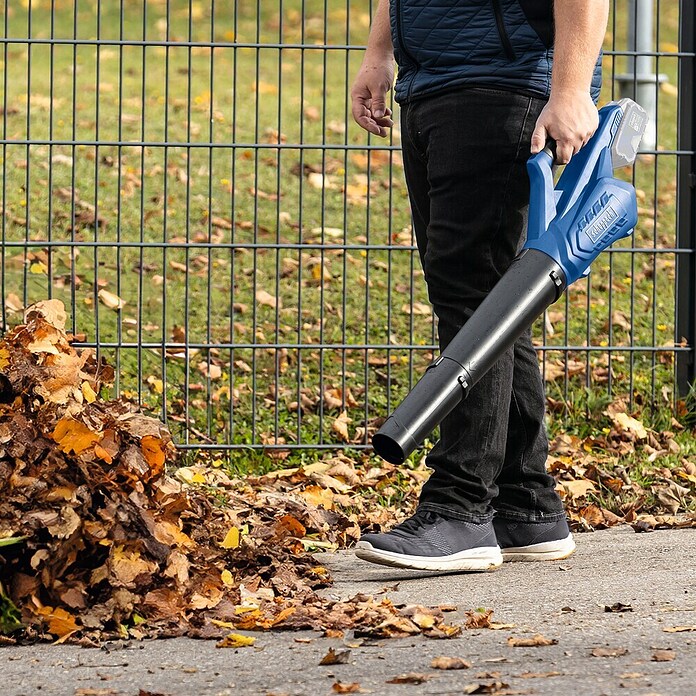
<point x="531" y="284"/>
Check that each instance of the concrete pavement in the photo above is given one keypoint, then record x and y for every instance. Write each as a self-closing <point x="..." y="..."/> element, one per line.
<point x="598" y="653"/>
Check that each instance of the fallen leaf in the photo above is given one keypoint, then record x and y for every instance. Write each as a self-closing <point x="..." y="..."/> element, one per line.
<point x="346" y="688"/>
<point x="494" y="687"/>
<point x="410" y="678"/>
<point x="110" y="300"/>
<point x="449" y="663"/>
<point x="608" y="652"/>
<point x="73" y="436"/>
<point x="478" y="618"/>
<point x="60" y="622"/>
<point x="231" y="540"/>
<point x="627" y="423"/>
<point x="335" y="657"/>
<point x="235" y="640"/>
<point x="537" y="640"/>
<point x="578" y="488"/>
<point x="618" y="608"/>
<point x="151" y="447"/>
<point x="679" y="629"/>
<point x="265" y="298"/>
<point x="340" y="426"/>
<point x="663" y="655"/>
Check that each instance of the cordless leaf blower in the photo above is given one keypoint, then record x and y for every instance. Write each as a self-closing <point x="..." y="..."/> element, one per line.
<point x="569" y="226"/>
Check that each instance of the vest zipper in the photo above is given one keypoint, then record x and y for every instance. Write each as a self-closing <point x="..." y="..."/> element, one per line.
<point x="502" y="31"/>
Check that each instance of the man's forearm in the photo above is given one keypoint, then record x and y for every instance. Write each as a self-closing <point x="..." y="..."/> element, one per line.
<point x="380" y="42"/>
<point x="580" y="26"/>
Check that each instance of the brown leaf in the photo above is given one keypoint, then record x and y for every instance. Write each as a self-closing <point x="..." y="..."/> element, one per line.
<point x="679" y="629"/>
<point x="410" y="678"/>
<point x="608" y="652"/>
<point x="663" y="655"/>
<point x="537" y="640"/>
<point x="478" y="618"/>
<point x="494" y="687"/>
<point x="53" y="311"/>
<point x="449" y="663"/>
<point x="618" y="608"/>
<point x="346" y="688"/>
<point x="265" y="298"/>
<point x="335" y="657"/>
<point x="340" y="426"/>
<point x="110" y="300"/>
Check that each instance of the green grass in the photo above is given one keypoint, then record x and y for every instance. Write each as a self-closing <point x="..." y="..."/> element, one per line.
<point x="250" y="197"/>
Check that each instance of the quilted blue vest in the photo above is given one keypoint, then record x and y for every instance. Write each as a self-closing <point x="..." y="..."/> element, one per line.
<point x="503" y="44"/>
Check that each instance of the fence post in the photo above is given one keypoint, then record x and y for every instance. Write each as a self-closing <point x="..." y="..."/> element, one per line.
<point x="686" y="197"/>
<point x="640" y="82"/>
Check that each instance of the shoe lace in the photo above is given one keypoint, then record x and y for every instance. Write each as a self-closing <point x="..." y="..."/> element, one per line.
<point x="421" y="519"/>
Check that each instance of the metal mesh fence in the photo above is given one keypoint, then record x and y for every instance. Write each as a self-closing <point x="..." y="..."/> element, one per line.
<point x="186" y="177"/>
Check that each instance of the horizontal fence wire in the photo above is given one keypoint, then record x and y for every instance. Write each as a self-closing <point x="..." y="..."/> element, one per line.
<point x="186" y="177"/>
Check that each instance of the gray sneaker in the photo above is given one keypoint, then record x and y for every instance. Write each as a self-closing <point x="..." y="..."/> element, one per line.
<point x="428" y="541"/>
<point x="533" y="541"/>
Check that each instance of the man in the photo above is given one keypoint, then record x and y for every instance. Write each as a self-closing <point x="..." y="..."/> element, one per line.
<point x="481" y="85"/>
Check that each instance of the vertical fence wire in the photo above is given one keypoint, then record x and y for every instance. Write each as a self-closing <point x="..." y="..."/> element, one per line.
<point x="223" y="233"/>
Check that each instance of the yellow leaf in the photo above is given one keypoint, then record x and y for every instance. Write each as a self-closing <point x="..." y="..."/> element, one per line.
<point x="236" y="640"/>
<point x="231" y="540"/>
<point x="227" y="578"/>
<point x="4" y="358"/>
<point x="38" y="268"/>
<point x="89" y="393"/>
<point x="73" y="436"/>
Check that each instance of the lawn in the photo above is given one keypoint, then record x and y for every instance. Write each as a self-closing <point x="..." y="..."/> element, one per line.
<point x="192" y="187"/>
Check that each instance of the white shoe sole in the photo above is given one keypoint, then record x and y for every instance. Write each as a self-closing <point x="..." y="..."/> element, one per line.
<point x="481" y="559"/>
<point x="547" y="551"/>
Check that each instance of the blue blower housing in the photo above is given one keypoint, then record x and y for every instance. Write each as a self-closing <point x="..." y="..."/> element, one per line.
<point x="588" y="209"/>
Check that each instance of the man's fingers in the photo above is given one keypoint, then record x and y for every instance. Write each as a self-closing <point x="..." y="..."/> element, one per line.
<point x="378" y="106"/>
<point x="539" y="137"/>
<point x="364" y="115"/>
<point x="564" y="151"/>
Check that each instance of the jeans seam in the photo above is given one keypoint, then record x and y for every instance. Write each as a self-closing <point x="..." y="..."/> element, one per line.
<point x="523" y="450"/>
<point x="410" y="129"/>
<point x="447" y="511"/>
<point x="512" y="516"/>
<point x="506" y="188"/>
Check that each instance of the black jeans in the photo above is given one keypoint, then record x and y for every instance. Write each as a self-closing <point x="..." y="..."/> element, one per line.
<point x="465" y="154"/>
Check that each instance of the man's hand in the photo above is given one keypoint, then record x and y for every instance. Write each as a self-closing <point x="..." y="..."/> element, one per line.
<point x="369" y="95"/>
<point x="570" y="118"/>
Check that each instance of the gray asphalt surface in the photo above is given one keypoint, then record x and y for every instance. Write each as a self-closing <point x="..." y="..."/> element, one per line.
<point x="653" y="572"/>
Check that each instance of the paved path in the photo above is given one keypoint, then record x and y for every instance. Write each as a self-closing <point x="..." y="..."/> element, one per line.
<point x="654" y="572"/>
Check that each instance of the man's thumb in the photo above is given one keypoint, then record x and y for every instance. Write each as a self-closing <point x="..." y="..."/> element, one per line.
<point x="538" y="139"/>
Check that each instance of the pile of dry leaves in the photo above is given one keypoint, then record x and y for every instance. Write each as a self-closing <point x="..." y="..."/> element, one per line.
<point x="97" y="540"/>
